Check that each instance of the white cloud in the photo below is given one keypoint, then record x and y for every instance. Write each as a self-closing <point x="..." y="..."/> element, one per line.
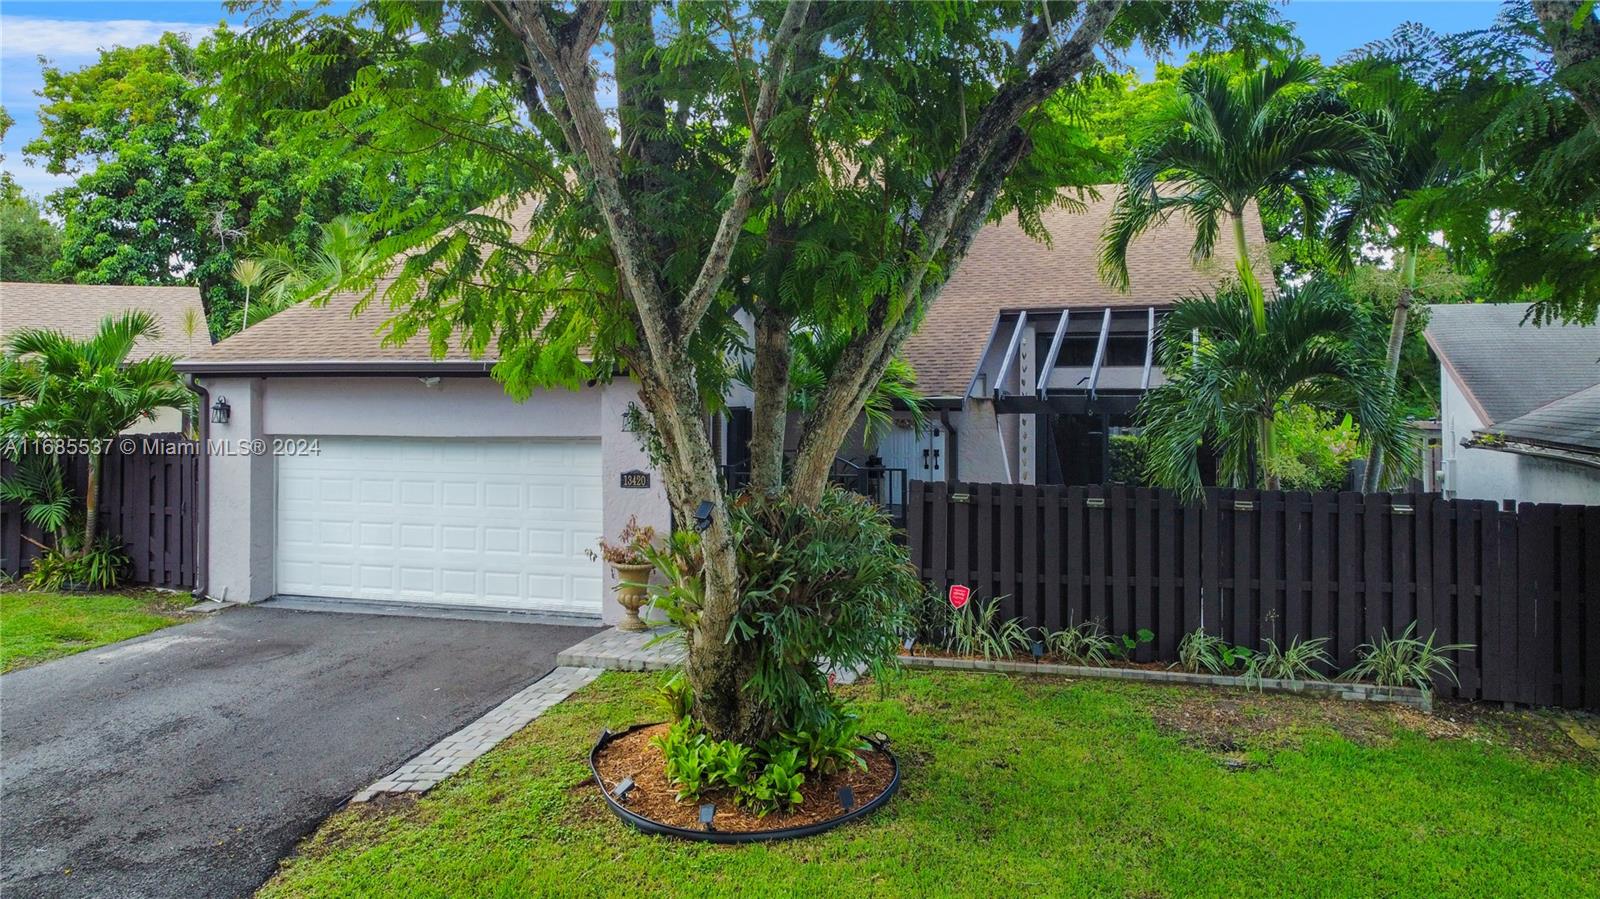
<point x="24" y="37"/>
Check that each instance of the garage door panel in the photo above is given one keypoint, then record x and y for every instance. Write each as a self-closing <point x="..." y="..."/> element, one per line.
<point x="501" y="523"/>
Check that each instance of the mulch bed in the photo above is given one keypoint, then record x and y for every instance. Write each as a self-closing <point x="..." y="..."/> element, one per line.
<point x="653" y="797"/>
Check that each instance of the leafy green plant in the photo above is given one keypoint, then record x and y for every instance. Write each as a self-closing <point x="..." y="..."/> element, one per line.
<point x="1123" y="645"/>
<point x="99" y="568"/>
<point x="38" y="487"/>
<point x="1298" y="661"/>
<point x="778" y="785"/>
<point x="1406" y="660"/>
<point x="978" y="630"/>
<point x="1085" y="643"/>
<point x="824" y="588"/>
<point x="674" y="696"/>
<point x="1200" y="651"/>
<point x="830" y="746"/>
<point x="696" y="763"/>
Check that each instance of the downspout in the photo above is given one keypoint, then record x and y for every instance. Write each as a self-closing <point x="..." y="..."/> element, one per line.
<point x="951" y="448"/>
<point x="202" y="528"/>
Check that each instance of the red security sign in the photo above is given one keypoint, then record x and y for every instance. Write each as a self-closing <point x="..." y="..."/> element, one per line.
<point x="959" y="595"/>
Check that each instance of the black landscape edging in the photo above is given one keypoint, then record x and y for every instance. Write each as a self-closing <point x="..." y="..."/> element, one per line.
<point x="646" y="825"/>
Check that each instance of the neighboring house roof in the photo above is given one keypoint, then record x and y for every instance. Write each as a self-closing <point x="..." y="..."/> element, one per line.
<point x="78" y="309"/>
<point x="1569" y="425"/>
<point x="1505" y="368"/>
<point x="1008" y="270"/>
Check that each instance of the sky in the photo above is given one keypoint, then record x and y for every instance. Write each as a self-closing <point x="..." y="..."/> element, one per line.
<point x="70" y="34"/>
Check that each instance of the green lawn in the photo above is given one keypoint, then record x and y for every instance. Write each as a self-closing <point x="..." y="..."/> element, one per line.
<point x="1031" y="787"/>
<point x="35" y="627"/>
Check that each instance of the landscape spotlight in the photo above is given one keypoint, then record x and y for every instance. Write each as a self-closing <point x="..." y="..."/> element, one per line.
<point x="621" y="789"/>
<point x="847" y="798"/>
<point x="702" y="515"/>
<point x="707" y="812"/>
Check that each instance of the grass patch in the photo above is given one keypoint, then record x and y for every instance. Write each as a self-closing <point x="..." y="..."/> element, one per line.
<point x="1023" y="786"/>
<point x="37" y="627"/>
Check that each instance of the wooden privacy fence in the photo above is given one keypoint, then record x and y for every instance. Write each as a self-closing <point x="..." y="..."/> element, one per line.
<point x="1522" y="585"/>
<point x="148" y="489"/>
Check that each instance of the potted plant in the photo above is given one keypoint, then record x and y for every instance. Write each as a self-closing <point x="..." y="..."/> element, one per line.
<point x="627" y="558"/>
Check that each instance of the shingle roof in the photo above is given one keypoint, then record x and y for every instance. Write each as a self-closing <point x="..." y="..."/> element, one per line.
<point x="77" y="310"/>
<point x="1007" y="269"/>
<point x="1571" y="423"/>
<point x="308" y="335"/>
<point x="331" y="337"/>
<point x="1506" y="368"/>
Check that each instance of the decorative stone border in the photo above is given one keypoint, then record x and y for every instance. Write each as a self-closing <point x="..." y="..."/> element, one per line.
<point x="444" y="758"/>
<point x="1357" y="692"/>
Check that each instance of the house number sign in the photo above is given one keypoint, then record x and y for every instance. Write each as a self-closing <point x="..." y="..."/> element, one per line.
<point x="636" y="480"/>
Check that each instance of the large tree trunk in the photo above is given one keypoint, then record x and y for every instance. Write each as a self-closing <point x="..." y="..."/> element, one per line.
<point x="1576" y="51"/>
<point x="91" y="503"/>
<point x="1372" y="482"/>
<point x="770" y="382"/>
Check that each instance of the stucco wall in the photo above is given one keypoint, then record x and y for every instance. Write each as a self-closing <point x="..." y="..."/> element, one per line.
<point x="983" y="458"/>
<point x="407" y="407"/>
<point x="1495" y="475"/>
<point x="242" y="517"/>
<point x="240" y="523"/>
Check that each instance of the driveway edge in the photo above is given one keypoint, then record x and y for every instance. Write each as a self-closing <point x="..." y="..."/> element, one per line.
<point x="428" y="768"/>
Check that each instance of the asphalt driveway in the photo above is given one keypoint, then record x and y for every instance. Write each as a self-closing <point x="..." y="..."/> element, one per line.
<point x="188" y="761"/>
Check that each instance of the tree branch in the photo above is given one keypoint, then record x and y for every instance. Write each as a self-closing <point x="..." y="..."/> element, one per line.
<point x="715" y="268"/>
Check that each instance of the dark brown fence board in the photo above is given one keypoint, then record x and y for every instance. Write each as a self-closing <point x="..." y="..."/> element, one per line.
<point x="1519" y="585"/>
<point x="147" y="498"/>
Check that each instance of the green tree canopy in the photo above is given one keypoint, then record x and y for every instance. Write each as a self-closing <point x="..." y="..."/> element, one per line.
<point x="165" y="192"/>
<point x="665" y="167"/>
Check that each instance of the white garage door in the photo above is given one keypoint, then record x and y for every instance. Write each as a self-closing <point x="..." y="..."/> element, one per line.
<point x="501" y="523"/>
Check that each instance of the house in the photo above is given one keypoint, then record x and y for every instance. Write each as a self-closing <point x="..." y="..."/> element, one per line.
<point x="1029" y="362"/>
<point x="342" y="468"/>
<point x="1519" y="406"/>
<point x="78" y="309"/>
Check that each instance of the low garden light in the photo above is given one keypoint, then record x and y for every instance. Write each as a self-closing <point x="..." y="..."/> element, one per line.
<point x="220" y="410"/>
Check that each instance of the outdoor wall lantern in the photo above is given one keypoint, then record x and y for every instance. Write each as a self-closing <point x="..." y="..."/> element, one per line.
<point x="220" y="411"/>
<point x="702" y="515"/>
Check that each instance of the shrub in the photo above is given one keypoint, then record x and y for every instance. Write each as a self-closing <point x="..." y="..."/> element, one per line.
<point x="1199" y="651"/>
<point x="99" y="568"/>
<point x="977" y="629"/>
<point x="1297" y="662"/>
<point x="1085" y="643"/>
<point x="1405" y="661"/>
<point x="674" y="696"/>
<point x="824" y="588"/>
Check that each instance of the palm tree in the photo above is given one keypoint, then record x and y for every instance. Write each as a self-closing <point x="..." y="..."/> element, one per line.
<point x="250" y="273"/>
<point x="344" y="254"/>
<point x="1400" y="211"/>
<point x="1258" y="137"/>
<point x="1223" y="389"/>
<point x="86" y="390"/>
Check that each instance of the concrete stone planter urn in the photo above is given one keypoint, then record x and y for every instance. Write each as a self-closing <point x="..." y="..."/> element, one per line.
<point x="631" y="593"/>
